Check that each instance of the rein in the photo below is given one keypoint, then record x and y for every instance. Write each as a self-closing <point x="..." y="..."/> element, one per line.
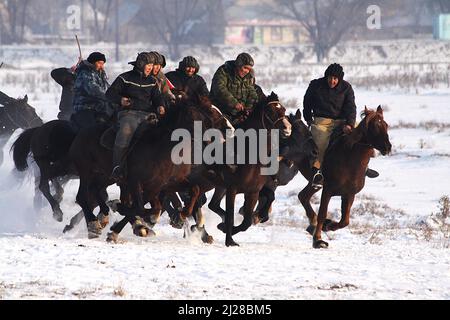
<point x="265" y="116"/>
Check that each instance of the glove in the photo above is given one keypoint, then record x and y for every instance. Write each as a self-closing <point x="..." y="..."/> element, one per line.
<point x="152" y="119"/>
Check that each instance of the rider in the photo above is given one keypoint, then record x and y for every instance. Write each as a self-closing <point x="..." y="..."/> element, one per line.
<point x="90" y="104"/>
<point x="137" y="93"/>
<point x="164" y="85"/>
<point x="233" y="90"/>
<point x="329" y="103"/>
<point x="186" y="77"/>
<point x="65" y="77"/>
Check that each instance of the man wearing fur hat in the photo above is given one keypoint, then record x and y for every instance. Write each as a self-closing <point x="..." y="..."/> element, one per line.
<point x="90" y="104"/>
<point x="164" y="85"/>
<point x="232" y="88"/>
<point x="139" y="98"/>
<point x="186" y="77"/>
<point x="329" y="103"/>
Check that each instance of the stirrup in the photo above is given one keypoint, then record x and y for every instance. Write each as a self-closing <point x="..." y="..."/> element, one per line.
<point x="317" y="180"/>
<point x="371" y="173"/>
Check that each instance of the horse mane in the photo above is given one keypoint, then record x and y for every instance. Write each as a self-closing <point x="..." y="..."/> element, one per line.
<point x="360" y="131"/>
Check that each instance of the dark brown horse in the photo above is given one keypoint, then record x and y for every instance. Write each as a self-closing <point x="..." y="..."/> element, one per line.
<point x="344" y="168"/>
<point x="148" y="168"/>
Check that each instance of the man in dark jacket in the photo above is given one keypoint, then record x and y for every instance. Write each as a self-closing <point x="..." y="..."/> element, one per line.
<point x="139" y="98"/>
<point x="89" y="103"/>
<point x="232" y="88"/>
<point x="329" y="103"/>
<point x="186" y="78"/>
<point x="65" y="77"/>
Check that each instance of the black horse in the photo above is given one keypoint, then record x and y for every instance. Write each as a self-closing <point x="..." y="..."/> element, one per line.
<point x="15" y="114"/>
<point x="300" y="146"/>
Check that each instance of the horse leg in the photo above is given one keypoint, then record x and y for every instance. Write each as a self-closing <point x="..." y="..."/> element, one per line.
<point x="200" y="224"/>
<point x="323" y="209"/>
<point x="214" y="204"/>
<point x="116" y="228"/>
<point x="249" y="205"/>
<point x="194" y="195"/>
<point x="305" y="199"/>
<point x="76" y="219"/>
<point x="38" y="198"/>
<point x="346" y="205"/>
<point x="45" y="189"/>
<point x="102" y="197"/>
<point x="229" y="218"/>
<point x="83" y="199"/>
<point x="266" y="198"/>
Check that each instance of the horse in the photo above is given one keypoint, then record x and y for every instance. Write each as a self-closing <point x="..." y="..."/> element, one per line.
<point x="146" y="157"/>
<point x="49" y="144"/>
<point x="15" y="114"/>
<point x="301" y="146"/>
<point x="344" y="170"/>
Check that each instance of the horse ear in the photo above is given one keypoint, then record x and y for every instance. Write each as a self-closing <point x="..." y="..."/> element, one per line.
<point x="366" y="111"/>
<point x="25" y="99"/>
<point x="298" y="114"/>
<point x="380" y="110"/>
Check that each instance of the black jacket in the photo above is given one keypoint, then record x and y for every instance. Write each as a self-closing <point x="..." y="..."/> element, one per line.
<point x="194" y="84"/>
<point x="322" y="101"/>
<point x="142" y="91"/>
<point x="66" y="79"/>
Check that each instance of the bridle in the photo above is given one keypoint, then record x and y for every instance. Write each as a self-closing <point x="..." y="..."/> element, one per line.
<point x="264" y="116"/>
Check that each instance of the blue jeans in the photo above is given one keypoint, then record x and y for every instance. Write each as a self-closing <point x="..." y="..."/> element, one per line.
<point x="129" y="121"/>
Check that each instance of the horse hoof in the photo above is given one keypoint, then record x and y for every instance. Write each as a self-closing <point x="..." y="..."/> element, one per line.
<point x="103" y="219"/>
<point x="320" y="244"/>
<point x="94" y="229"/>
<point x="67" y="228"/>
<point x="231" y="243"/>
<point x="311" y="229"/>
<point x="112" y="237"/>
<point x="58" y="215"/>
<point x="208" y="239"/>
<point x="221" y="227"/>
<point x="256" y="220"/>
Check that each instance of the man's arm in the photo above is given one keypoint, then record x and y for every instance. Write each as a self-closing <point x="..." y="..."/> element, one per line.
<point x="308" y="104"/>
<point x="349" y="107"/>
<point x="220" y="90"/>
<point x="114" y="93"/>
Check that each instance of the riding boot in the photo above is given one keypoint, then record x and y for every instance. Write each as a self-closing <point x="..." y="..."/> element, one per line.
<point x="371" y="173"/>
<point x="118" y="158"/>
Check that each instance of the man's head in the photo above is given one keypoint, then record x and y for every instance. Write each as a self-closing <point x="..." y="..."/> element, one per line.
<point x="160" y="62"/>
<point x="189" y="66"/>
<point x="334" y="75"/>
<point x="97" y="59"/>
<point x="244" y="64"/>
<point x="144" y="63"/>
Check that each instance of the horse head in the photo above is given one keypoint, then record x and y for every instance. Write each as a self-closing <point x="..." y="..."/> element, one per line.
<point x="376" y="130"/>
<point x="20" y="113"/>
<point x="301" y="143"/>
<point x="273" y="115"/>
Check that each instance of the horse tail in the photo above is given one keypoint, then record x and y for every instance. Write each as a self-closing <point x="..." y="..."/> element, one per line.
<point x="21" y="149"/>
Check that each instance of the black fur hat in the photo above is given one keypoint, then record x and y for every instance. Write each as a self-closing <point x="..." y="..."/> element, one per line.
<point x="244" y="59"/>
<point x="335" y="70"/>
<point x="96" y="56"/>
<point x="142" y="60"/>
<point x="189" y="61"/>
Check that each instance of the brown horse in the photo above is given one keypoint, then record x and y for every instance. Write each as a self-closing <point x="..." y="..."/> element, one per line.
<point x="344" y="168"/>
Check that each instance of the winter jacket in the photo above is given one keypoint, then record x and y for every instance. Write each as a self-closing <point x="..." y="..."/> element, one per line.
<point x="322" y="101"/>
<point x="195" y="84"/>
<point x="90" y="88"/>
<point x="66" y="79"/>
<point x="228" y="89"/>
<point x="142" y="91"/>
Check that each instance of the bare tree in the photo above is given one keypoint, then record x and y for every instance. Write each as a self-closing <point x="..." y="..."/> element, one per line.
<point x="103" y="7"/>
<point x="174" y="19"/>
<point x="13" y="18"/>
<point x="326" y="21"/>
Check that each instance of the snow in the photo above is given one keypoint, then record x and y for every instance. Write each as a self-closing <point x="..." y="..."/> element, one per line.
<point x="391" y="250"/>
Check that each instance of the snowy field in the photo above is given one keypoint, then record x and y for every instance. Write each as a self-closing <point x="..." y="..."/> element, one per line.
<point x="396" y="247"/>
